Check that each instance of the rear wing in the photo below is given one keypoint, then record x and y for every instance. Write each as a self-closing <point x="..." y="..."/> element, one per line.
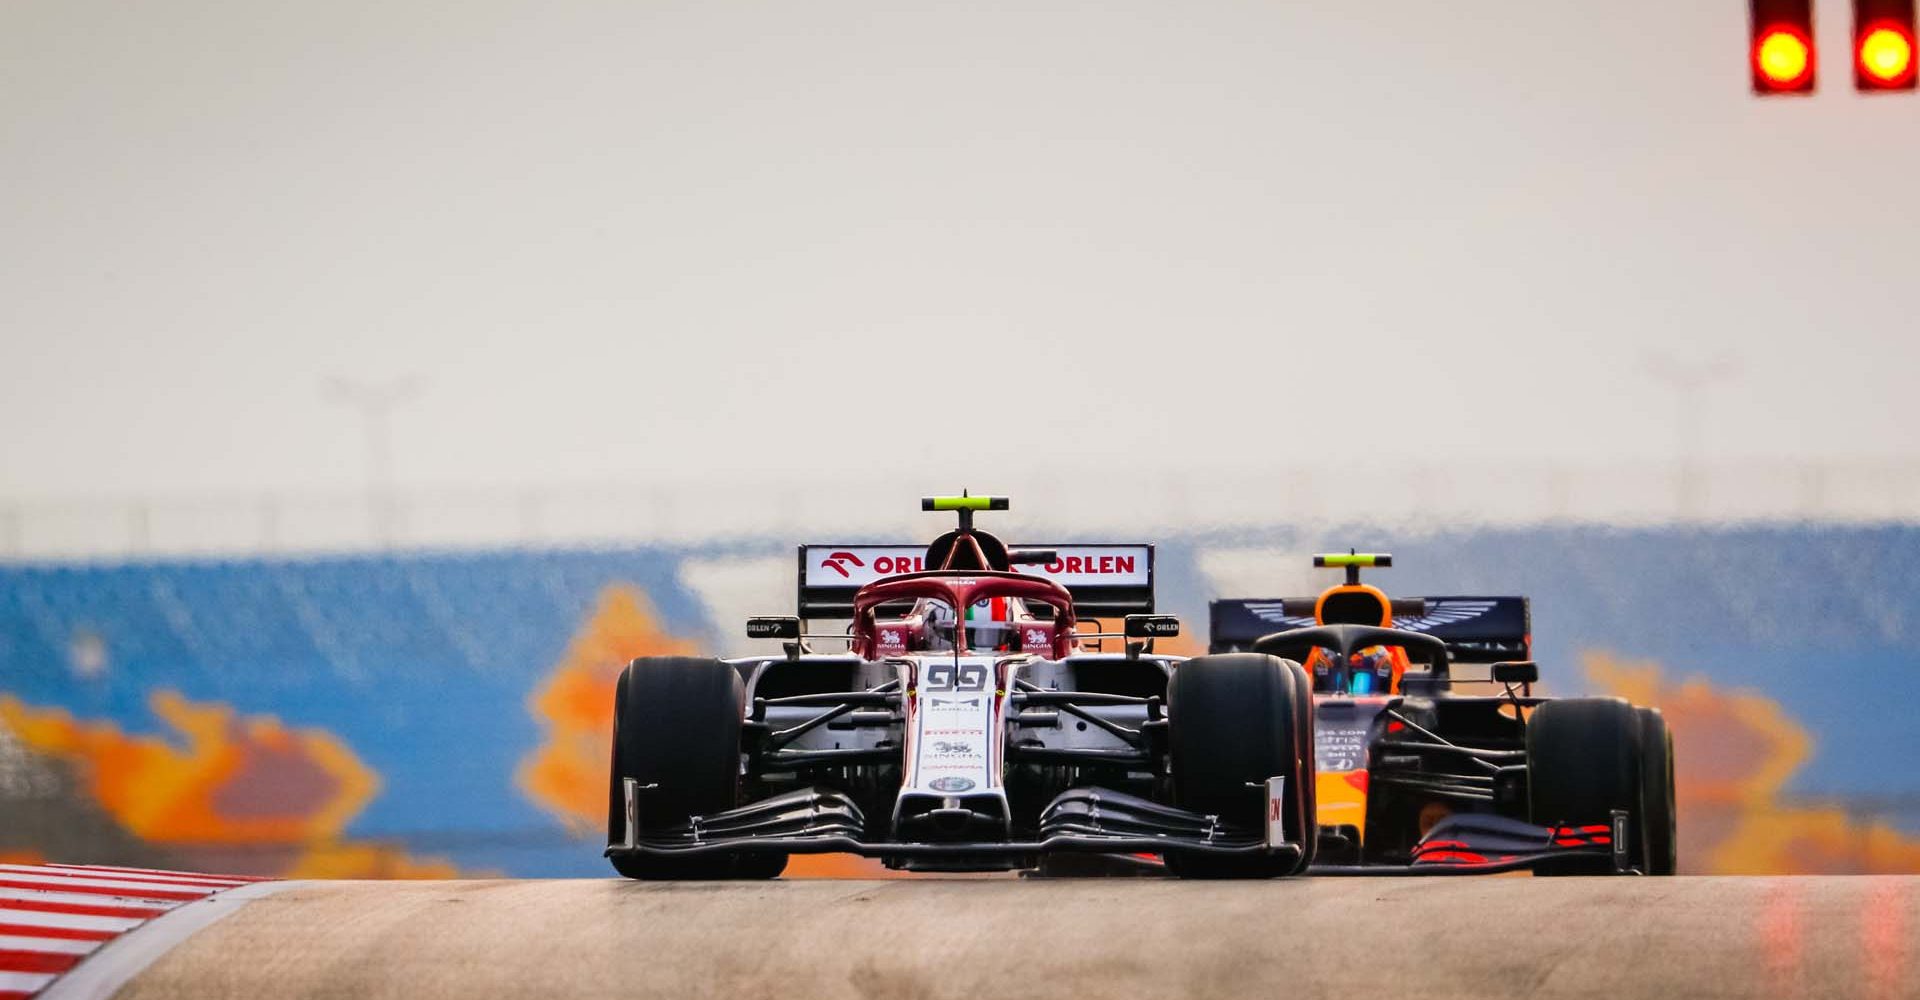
<point x="1106" y="581"/>
<point x="1475" y="629"/>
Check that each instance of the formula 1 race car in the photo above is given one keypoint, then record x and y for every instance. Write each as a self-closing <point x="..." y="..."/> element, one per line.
<point x="964" y="729"/>
<point x="1415" y="778"/>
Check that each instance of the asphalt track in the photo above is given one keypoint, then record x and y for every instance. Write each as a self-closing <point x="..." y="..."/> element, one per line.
<point x="924" y="939"/>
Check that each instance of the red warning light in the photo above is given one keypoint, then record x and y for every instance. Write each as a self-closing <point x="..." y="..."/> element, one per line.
<point x="1886" y="57"/>
<point x="1782" y="54"/>
<point x="1883" y="45"/>
<point x="1886" y="54"/>
<point x="1783" y="59"/>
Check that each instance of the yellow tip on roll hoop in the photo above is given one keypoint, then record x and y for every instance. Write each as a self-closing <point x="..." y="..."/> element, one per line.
<point x="964" y="503"/>
<point x="1336" y="560"/>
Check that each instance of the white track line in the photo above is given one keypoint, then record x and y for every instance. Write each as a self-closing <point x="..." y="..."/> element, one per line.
<point x="104" y="972"/>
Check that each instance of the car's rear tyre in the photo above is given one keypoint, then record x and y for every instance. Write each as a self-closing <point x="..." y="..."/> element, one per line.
<point x="676" y="728"/>
<point x="1584" y="761"/>
<point x="1659" y="826"/>
<point x="1236" y="720"/>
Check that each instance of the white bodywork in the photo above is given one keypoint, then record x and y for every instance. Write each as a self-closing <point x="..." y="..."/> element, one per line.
<point x="955" y="728"/>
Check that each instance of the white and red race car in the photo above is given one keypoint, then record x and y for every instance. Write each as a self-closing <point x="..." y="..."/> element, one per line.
<point x="964" y="728"/>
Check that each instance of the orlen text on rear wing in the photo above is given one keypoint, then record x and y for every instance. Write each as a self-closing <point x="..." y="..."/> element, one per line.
<point x="1106" y="580"/>
<point x="1475" y="629"/>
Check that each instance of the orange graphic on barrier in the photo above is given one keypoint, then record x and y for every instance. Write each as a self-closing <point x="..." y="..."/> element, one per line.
<point x="237" y="781"/>
<point x="359" y="859"/>
<point x="263" y="796"/>
<point x="1734" y="753"/>
<point x="568" y="774"/>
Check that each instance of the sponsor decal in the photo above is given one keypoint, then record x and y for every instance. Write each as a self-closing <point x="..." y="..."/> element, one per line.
<point x="857" y="565"/>
<point x="772" y="628"/>
<point x="1445" y="613"/>
<point x="1438" y="613"/>
<point x="951" y="784"/>
<point x="953" y="748"/>
<point x="1276" y="816"/>
<point x="891" y="637"/>
<point x="1036" y="638"/>
<point x="952" y="704"/>
<point x="1340" y="748"/>
<point x="838" y="561"/>
<point x="897" y="565"/>
<point x="1276" y="612"/>
<point x="1107" y="565"/>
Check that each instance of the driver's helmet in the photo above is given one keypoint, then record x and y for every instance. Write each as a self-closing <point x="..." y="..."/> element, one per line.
<point x="1368" y="671"/>
<point x="990" y="625"/>
<point x="937" y="635"/>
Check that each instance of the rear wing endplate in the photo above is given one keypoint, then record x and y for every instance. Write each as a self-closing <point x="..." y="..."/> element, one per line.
<point x="1106" y="580"/>
<point x="1475" y="629"/>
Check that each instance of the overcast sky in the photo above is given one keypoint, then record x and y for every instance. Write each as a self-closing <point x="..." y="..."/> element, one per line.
<point x="624" y="237"/>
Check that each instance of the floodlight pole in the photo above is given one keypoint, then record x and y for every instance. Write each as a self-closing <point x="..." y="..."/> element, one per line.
<point x="375" y="402"/>
<point x="1690" y="382"/>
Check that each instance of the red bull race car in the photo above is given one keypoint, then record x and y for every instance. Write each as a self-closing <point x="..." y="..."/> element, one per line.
<point x="961" y="726"/>
<point x="1415" y="777"/>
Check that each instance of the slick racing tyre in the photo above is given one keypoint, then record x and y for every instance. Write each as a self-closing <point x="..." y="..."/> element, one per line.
<point x="1656" y="792"/>
<point x="1584" y="761"/>
<point x="1309" y="768"/>
<point x="1236" y="720"/>
<point x="676" y="727"/>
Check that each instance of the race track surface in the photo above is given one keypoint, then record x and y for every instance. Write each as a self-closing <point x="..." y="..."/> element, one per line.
<point x="926" y="939"/>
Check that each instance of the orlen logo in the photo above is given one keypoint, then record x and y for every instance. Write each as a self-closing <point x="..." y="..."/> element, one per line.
<point x="1101" y="565"/>
<point x="838" y="562"/>
<point x="882" y="565"/>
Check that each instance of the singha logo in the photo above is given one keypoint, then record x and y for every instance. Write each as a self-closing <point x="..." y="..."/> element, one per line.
<point x="890" y="637"/>
<point x="1036" y="638"/>
<point x="838" y="562"/>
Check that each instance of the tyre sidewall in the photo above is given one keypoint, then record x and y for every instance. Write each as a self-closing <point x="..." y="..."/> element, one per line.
<point x="1659" y="829"/>
<point x="1584" y="761"/>
<point x="677" y="725"/>
<point x="1235" y="721"/>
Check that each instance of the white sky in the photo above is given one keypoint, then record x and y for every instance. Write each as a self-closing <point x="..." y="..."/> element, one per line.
<point x="621" y="238"/>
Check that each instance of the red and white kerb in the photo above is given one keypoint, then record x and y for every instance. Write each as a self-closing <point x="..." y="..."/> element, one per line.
<point x="53" y="916"/>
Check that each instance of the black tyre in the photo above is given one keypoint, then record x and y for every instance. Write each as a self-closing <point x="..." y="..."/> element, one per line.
<point x="1236" y="720"/>
<point x="676" y="727"/>
<point x="1656" y="793"/>
<point x="1309" y="765"/>
<point x="1584" y="762"/>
